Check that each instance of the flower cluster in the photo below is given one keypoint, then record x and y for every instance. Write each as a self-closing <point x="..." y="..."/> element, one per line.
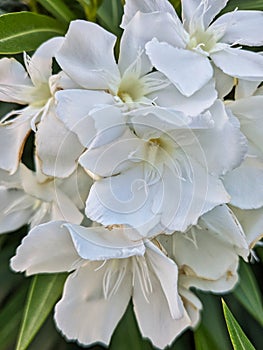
<point x="148" y="168"/>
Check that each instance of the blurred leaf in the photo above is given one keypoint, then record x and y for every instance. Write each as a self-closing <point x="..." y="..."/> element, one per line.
<point x="58" y="9"/>
<point x="127" y="335"/>
<point x="30" y="30"/>
<point x="248" y="294"/>
<point x="243" y="5"/>
<point x="90" y="8"/>
<point x="10" y="317"/>
<point x="12" y="6"/>
<point x="204" y="339"/>
<point x="109" y="15"/>
<point x="176" y="4"/>
<point x="43" y="294"/>
<point x="238" y="337"/>
<point x="212" y="319"/>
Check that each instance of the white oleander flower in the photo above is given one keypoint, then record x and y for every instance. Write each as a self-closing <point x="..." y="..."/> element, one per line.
<point x="245" y="182"/>
<point x="29" y="197"/>
<point x="251" y="221"/>
<point x="164" y="173"/>
<point x="108" y="85"/>
<point x="110" y="269"/>
<point x="207" y="255"/>
<point x="35" y="87"/>
<point x="247" y="107"/>
<point x="187" y="49"/>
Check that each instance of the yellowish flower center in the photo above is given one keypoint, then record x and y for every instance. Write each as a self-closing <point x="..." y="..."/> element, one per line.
<point x="131" y="89"/>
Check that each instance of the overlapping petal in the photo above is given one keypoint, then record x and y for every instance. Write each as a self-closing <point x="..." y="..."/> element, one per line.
<point x="84" y="59"/>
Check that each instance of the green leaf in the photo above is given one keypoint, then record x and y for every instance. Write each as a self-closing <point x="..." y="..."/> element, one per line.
<point x="109" y="15"/>
<point x="127" y="335"/>
<point x="43" y="294"/>
<point x="204" y="340"/>
<point x="58" y="9"/>
<point x="25" y="31"/>
<point x="10" y="317"/>
<point x="243" y="5"/>
<point x="176" y="4"/>
<point x="247" y="292"/>
<point x="212" y="319"/>
<point x="238" y="338"/>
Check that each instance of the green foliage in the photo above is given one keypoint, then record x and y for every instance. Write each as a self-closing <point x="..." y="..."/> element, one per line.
<point x="109" y="15"/>
<point x="30" y="30"/>
<point x="205" y="336"/>
<point x="9" y="326"/>
<point x="244" y="5"/>
<point x="25" y="31"/>
<point x="43" y="294"/>
<point x="247" y="292"/>
<point x="238" y="337"/>
<point x="58" y="9"/>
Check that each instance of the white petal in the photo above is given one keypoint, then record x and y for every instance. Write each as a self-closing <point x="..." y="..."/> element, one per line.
<point x="83" y="313"/>
<point x="40" y="64"/>
<point x="161" y="26"/>
<point x="16" y="209"/>
<point x="57" y="147"/>
<point x="31" y="185"/>
<point x="15" y="86"/>
<point x="239" y="63"/>
<point x="155" y="122"/>
<point x="112" y="158"/>
<point x="224" y="82"/>
<point x="180" y="66"/>
<point x="87" y="55"/>
<point x="193" y="105"/>
<point x="242" y="27"/>
<point x="202" y="255"/>
<point x="248" y="111"/>
<point x="241" y="180"/>
<point x="166" y="271"/>
<point x="220" y="285"/>
<point x="211" y="9"/>
<point x="74" y="107"/>
<point x="154" y="317"/>
<point x="187" y="196"/>
<point x="252" y="223"/>
<point x="124" y="199"/>
<point x="63" y="208"/>
<point x="77" y="187"/>
<point x="47" y="248"/>
<point x="222" y="223"/>
<point x="192" y="305"/>
<point x="13" y="136"/>
<point x="245" y="88"/>
<point x="99" y="243"/>
<point x="221" y="148"/>
<point x="146" y="6"/>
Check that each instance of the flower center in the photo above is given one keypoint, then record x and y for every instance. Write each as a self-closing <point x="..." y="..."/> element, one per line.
<point x="131" y="89"/>
<point x="206" y="40"/>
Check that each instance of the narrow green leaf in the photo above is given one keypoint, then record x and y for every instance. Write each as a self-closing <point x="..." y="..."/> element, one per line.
<point x="25" y="31"/>
<point x="10" y="317"/>
<point x="247" y="292"/>
<point x="58" y="9"/>
<point x="43" y="294"/>
<point x="238" y="338"/>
